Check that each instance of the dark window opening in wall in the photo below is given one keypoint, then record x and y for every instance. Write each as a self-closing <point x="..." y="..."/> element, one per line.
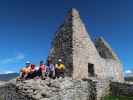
<point x="91" y="71"/>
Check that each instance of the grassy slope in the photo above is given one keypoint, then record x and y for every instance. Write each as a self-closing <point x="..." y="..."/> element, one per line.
<point x="117" y="98"/>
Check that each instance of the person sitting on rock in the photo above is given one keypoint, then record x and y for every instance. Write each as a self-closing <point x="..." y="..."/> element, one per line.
<point x="50" y="69"/>
<point x="42" y="70"/>
<point x="24" y="73"/>
<point x="32" y="72"/>
<point x="59" y="69"/>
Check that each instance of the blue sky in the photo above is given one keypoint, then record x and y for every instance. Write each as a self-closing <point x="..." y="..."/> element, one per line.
<point x="27" y="28"/>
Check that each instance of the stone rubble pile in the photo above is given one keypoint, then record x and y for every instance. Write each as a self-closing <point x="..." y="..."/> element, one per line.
<point x="58" y="89"/>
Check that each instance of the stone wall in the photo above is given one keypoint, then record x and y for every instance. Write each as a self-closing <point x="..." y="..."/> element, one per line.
<point x="62" y="46"/>
<point x="64" y="89"/>
<point x="122" y="89"/>
<point x="103" y="88"/>
<point x="104" y="49"/>
<point x="111" y="70"/>
<point x="111" y="64"/>
<point x="114" y="69"/>
<point x="9" y="92"/>
<point x="58" y="89"/>
<point x="73" y="44"/>
<point x="84" y="51"/>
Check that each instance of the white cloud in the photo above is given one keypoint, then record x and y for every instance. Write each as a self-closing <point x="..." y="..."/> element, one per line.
<point x="19" y="56"/>
<point x="128" y="72"/>
<point x="9" y="72"/>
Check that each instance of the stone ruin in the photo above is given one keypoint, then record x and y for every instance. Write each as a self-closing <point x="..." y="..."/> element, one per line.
<point x="82" y="57"/>
<point x="89" y="68"/>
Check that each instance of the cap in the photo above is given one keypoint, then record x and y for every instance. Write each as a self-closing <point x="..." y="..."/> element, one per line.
<point x="59" y="60"/>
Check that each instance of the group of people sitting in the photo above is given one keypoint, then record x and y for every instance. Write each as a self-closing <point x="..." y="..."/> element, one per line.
<point x="45" y="71"/>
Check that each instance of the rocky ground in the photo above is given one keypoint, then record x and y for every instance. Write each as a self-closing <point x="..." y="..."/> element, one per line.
<point x="58" y="89"/>
<point x="63" y="89"/>
<point x="2" y="82"/>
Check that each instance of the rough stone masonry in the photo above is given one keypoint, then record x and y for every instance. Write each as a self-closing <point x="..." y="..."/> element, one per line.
<point x="58" y="89"/>
<point x="83" y="57"/>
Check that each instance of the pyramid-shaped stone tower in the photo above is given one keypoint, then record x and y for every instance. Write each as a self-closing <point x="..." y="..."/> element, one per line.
<point x="82" y="57"/>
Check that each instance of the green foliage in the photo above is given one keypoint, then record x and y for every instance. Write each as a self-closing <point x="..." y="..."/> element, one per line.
<point x="117" y="98"/>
